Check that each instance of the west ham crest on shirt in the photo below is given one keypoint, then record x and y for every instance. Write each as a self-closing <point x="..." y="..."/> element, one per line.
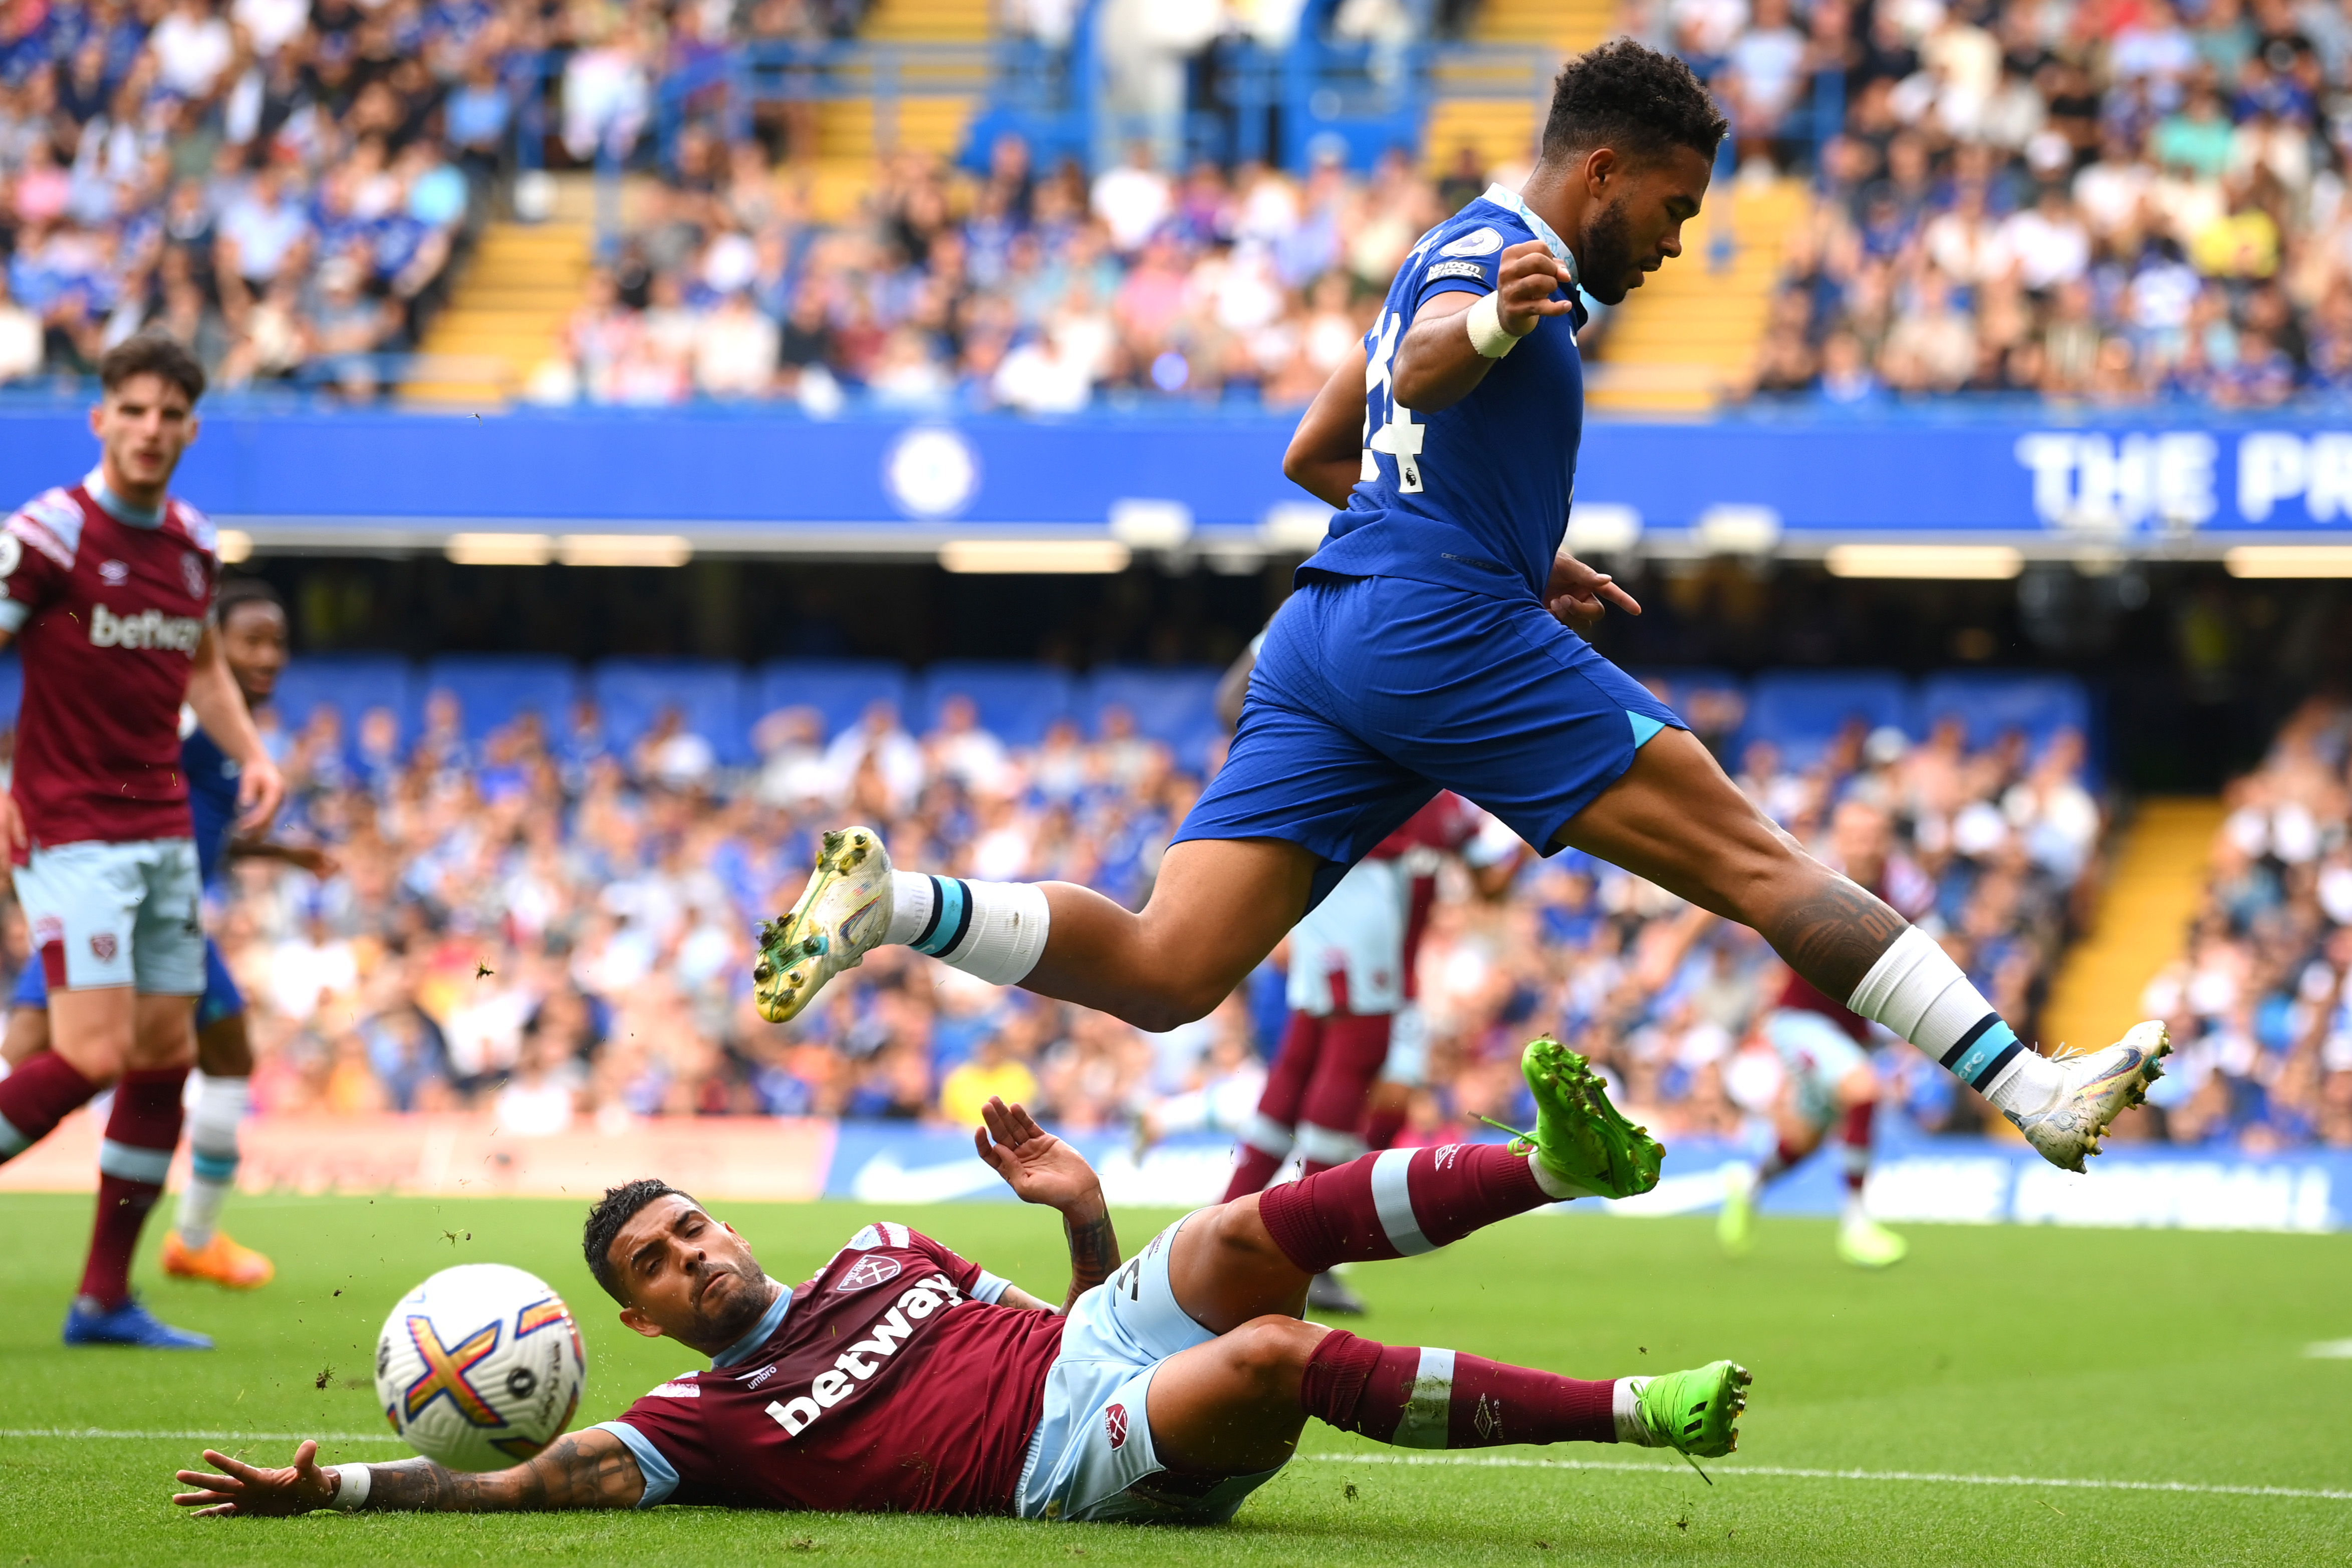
<point x="191" y="573"/>
<point x="868" y="1271"/>
<point x="1115" y="1424"/>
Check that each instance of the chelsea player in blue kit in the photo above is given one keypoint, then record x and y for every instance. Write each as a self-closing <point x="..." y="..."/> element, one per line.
<point x="252" y="628"/>
<point x="1432" y="644"/>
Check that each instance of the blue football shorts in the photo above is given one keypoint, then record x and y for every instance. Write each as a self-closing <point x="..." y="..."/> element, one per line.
<point x="1373" y="693"/>
<point x="1092" y="1460"/>
<point x="220" y="999"/>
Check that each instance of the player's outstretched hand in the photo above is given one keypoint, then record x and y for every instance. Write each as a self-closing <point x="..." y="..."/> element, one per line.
<point x="260" y="787"/>
<point x="243" y="1489"/>
<point x="1526" y="279"/>
<point x="1039" y="1167"/>
<point x="1579" y="597"/>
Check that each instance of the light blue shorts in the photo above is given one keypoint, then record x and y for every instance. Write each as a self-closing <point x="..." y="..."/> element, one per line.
<point x="1092" y="1459"/>
<point x="1815" y="1054"/>
<point x="103" y="914"/>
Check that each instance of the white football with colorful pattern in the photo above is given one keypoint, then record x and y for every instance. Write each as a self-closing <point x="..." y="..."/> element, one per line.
<point x="480" y="1367"/>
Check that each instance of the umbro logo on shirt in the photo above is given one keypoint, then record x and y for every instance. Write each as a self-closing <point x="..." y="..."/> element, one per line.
<point x="114" y="573"/>
<point x="868" y="1271"/>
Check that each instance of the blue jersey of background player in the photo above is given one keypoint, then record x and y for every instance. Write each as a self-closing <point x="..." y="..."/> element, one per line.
<point x="252" y="628"/>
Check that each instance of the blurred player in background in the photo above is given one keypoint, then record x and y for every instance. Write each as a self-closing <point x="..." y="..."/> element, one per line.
<point x="1828" y="1077"/>
<point x="105" y="587"/>
<point x="1350" y="982"/>
<point x="251" y="626"/>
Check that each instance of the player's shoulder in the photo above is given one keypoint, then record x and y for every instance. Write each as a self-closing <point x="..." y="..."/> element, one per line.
<point x="882" y="1234"/>
<point x="1468" y="245"/>
<point x="192" y="525"/>
<point x="51" y="522"/>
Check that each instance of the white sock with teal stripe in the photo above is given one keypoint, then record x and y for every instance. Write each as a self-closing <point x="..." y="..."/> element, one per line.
<point x="1916" y="990"/>
<point x="212" y="1150"/>
<point x="995" y="930"/>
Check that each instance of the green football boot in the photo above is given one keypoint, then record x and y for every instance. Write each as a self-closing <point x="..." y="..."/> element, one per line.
<point x="1695" y="1413"/>
<point x="1735" y="1222"/>
<point x="1866" y="1244"/>
<point x="1581" y="1140"/>
<point x="840" y="919"/>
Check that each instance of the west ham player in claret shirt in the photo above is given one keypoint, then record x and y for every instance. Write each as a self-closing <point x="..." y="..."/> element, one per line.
<point x="105" y="588"/>
<point x="904" y="1378"/>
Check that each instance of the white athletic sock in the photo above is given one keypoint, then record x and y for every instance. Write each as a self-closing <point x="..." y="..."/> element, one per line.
<point x="1916" y="990"/>
<point x="212" y="1142"/>
<point x="995" y="930"/>
<point x="1625" y="1410"/>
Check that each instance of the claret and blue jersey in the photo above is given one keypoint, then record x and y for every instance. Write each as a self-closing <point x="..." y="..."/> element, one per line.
<point x="1475" y="496"/>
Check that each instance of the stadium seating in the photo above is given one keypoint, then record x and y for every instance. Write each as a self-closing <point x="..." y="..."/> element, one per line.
<point x="351" y="684"/>
<point x="1177" y="706"/>
<point x="1989" y="703"/>
<point x="1017" y="701"/>
<point x="495" y="688"/>
<point x="632" y="694"/>
<point x="12" y="688"/>
<point x="1801" y="712"/>
<point x="839" y="689"/>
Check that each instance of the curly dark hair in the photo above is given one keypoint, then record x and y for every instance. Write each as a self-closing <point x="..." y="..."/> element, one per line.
<point x="152" y="352"/>
<point x="1630" y="97"/>
<point x="611" y="1212"/>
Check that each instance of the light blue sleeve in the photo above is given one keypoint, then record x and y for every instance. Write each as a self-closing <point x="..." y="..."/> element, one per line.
<point x="989" y="1288"/>
<point x="661" y="1476"/>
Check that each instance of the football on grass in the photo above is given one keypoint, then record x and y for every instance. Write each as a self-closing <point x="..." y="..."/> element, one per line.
<point x="480" y="1367"/>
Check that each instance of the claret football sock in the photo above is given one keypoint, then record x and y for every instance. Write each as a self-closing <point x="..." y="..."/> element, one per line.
<point x="35" y="1098"/>
<point x="1853" y="1151"/>
<point x="1916" y="990"/>
<point x="1423" y="1397"/>
<point x="1396" y="1203"/>
<point x="995" y="930"/>
<point x="213" y="1148"/>
<point x="132" y="1161"/>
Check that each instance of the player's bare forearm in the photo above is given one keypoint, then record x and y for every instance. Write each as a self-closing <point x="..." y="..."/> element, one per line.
<point x="1436" y="363"/>
<point x="581" y="1470"/>
<point x="1094" y="1246"/>
<point x="1325" y="457"/>
<point x="219" y="706"/>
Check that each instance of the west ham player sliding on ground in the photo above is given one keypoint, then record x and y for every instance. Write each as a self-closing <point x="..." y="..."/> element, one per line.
<point x="106" y="588"/>
<point x="903" y="1378"/>
<point x="1428" y="645"/>
<point x="251" y="626"/>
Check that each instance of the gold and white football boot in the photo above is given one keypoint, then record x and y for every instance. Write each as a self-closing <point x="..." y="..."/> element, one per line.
<point x="840" y="916"/>
<point x="2097" y="1087"/>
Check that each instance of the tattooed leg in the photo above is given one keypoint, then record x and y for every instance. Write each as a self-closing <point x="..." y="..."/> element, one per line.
<point x="1675" y="818"/>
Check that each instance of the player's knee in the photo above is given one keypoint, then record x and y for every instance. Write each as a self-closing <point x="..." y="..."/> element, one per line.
<point x="1270" y="1354"/>
<point x="1237" y="1227"/>
<point x="224" y="1050"/>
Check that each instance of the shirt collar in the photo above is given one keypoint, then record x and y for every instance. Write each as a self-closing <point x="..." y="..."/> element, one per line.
<point x="116" y="507"/>
<point x="1508" y="200"/>
<point x="762" y="1332"/>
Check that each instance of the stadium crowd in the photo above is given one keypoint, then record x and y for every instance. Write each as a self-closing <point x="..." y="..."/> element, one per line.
<point x="2110" y="202"/>
<point x="281" y="184"/>
<point x="558" y="932"/>
<point x="2260" y="1004"/>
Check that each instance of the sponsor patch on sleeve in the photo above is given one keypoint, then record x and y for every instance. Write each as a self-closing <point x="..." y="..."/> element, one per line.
<point x="1454" y="270"/>
<point x="1483" y="241"/>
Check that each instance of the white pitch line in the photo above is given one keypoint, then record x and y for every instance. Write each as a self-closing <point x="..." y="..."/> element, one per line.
<point x="102" y="1432"/>
<point x="1792" y="1472"/>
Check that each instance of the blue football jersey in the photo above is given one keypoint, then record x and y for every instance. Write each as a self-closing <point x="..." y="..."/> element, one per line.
<point x="211" y="794"/>
<point x="1475" y="496"/>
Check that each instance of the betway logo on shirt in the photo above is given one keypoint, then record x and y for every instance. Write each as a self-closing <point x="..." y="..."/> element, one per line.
<point x="863" y="1359"/>
<point x="145" y="629"/>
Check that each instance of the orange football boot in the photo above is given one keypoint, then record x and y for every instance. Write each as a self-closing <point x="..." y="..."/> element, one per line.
<point x="221" y="1260"/>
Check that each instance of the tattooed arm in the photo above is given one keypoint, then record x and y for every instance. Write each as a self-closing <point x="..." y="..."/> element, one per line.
<point x="1042" y="1169"/>
<point x="580" y="1469"/>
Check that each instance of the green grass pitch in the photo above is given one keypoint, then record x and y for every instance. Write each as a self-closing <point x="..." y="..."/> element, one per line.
<point x="1999" y="1352"/>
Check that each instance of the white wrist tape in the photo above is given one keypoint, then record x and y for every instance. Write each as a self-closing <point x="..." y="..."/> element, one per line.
<point x="352" y="1484"/>
<point x="1485" y="321"/>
